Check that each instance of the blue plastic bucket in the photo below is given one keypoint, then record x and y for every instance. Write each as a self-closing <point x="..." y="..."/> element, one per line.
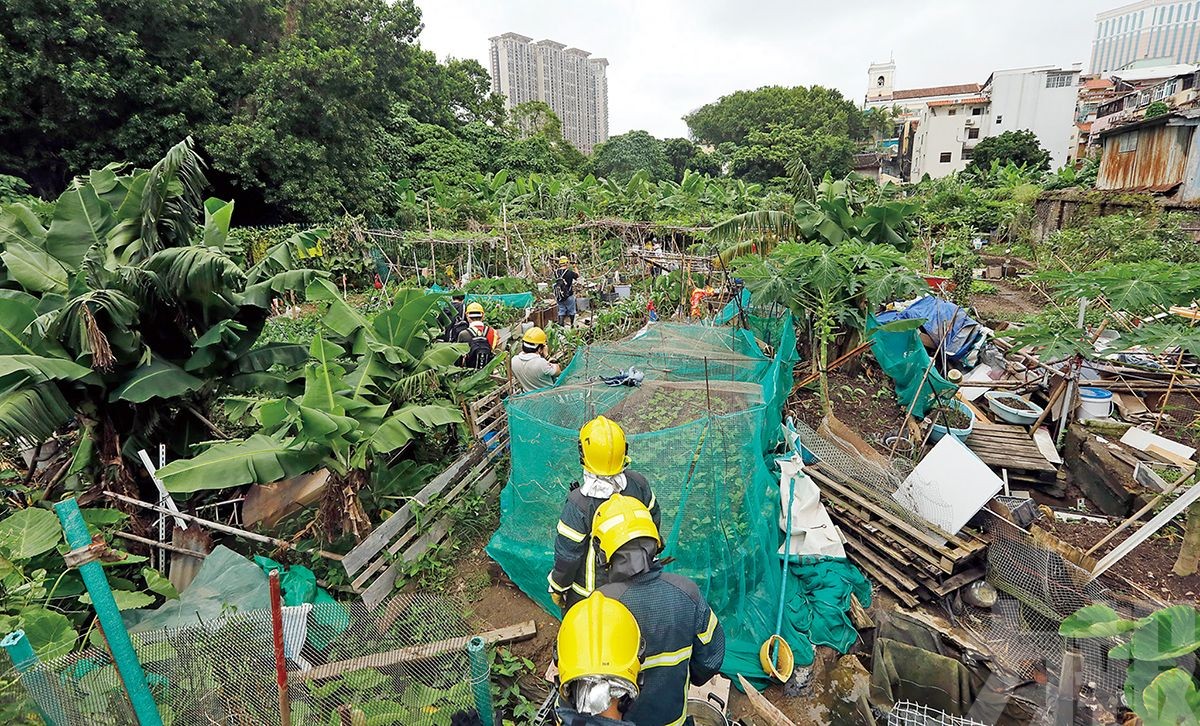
<point x="1094" y="403"/>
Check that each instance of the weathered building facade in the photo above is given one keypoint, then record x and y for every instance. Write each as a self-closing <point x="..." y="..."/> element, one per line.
<point x="1158" y="155"/>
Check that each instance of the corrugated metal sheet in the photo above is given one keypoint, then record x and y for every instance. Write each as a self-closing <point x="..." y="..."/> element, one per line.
<point x="1157" y="159"/>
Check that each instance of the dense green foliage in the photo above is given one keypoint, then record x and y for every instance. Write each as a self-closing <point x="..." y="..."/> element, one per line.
<point x="812" y="109"/>
<point x="622" y="156"/>
<point x="1011" y="147"/>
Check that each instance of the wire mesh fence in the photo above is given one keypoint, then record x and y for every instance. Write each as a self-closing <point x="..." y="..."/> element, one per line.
<point x="405" y="663"/>
<point x="907" y="713"/>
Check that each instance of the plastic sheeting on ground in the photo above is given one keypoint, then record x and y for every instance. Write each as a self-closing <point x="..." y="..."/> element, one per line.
<point x="819" y="610"/>
<point x="904" y="359"/>
<point x="939" y="316"/>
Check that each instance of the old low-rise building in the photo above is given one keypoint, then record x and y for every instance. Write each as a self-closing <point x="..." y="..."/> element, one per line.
<point x="1158" y="155"/>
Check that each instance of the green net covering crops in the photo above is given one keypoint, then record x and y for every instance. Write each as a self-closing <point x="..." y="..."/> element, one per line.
<point x="701" y="428"/>
<point x="512" y="300"/>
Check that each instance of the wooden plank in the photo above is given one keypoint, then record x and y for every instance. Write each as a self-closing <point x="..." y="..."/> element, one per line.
<point x="378" y="539"/>
<point x="415" y="653"/>
<point x="770" y="715"/>
<point x="378" y="590"/>
<point x="868" y="565"/>
<point x="847" y="518"/>
<point x="407" y="533"/>
<point x="931" y="548"/>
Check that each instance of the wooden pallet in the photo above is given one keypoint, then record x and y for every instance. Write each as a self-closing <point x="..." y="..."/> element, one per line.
<point x="1011" y="448"/>
<point x="487" y="416"/>
<point x="914" y="561"/>
<point x="422" y="523"/>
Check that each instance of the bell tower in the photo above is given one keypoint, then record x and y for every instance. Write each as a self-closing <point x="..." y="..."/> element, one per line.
<point x="880" y="77"/>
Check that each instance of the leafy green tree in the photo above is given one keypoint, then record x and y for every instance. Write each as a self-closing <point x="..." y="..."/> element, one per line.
<point x="813" y="109"/>
<point x="125" y="313"/>
<point x="622" y="156"/>
<point x="766" y="155"/>
<point x="680" y="153"/>
<point x="1011" y="147"/>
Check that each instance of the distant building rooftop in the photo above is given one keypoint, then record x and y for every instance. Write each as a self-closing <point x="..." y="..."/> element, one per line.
<point x="1150" y="74"/>
<point x="936" y="91"/>
<point x="959" y="101"/>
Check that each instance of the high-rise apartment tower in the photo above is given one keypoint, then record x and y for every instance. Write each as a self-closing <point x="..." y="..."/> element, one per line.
<point x="572" y="82"/>
<point x="1156" y="31"/>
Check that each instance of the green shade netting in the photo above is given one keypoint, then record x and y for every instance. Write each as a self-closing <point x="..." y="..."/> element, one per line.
<point x="512" y="300"/>
<point x="766" y="322"/>
<point x="705" y="443"/>
<point x="904" y="359"/>
<point x="298" y="585"/>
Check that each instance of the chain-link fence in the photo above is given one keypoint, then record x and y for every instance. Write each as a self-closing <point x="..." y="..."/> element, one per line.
<point x="907" y="713"/>
<point x="405" y="663"/>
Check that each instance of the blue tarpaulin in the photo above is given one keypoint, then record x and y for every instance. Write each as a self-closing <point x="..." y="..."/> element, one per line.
<point x="940" y="316"/>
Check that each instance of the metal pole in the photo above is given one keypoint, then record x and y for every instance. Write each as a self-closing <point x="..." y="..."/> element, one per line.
<point x="481" y="682"/>
<point x="281" y="675"/>
<point x="109" y="617"/>
<point x="26" y="662"/>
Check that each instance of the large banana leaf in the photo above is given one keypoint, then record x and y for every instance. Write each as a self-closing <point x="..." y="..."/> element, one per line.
<point x="257" y="460"/>
<point x="18" y="223"/>
<point x="222" y="341"/>
<point x="196" y="273"/>
<point x="15" y="316"/>
<point x="273" y="354"/>
<point x="404" y="324"/>
<point x="39" y="369"/>
<point x="81" y="221"/>
<point x="32" y="413"/>
<point x="217" y="216"/>
<point x="159" y="378"/>
<point x="341" y="318"/>
<point x="402" y="426"/>
<point x="33" y="268"/>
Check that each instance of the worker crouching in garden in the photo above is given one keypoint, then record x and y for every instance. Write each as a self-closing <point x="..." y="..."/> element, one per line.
<point x="602" y="452"/>
<point x="684" y="642"/>
<point x="599" y="653"/>
<point x="530" y="368"/>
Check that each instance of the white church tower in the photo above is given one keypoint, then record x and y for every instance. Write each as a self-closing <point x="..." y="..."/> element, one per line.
<point x="880" y="84"/>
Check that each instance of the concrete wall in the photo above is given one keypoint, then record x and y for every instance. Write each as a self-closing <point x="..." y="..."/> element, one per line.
<point x="938" y="133"/>
<point x="1022" y="102"/>
<point x="1064" y="208"/>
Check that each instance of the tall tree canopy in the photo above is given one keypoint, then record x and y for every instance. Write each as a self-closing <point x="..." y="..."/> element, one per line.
<point x="303" y="107"/>
<point x="1017" y="147"/>
<point x="811" y="109"/>
<point x="624" y="155"/>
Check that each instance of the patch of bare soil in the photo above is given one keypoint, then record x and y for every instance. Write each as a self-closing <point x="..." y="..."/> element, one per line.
<point x="864" y="400"/>
<point x="1149" y="565"/>
<point x="1009" y="299"/>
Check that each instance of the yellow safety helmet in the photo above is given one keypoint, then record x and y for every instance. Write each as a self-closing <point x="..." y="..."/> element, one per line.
<point x="621" y="519"/>
<point x="474" y="309"/>
<point x="602" y="447"/>
<point x="599" y="637"/>
<point x="564" y="260"/>
<point x="534" y="336"/>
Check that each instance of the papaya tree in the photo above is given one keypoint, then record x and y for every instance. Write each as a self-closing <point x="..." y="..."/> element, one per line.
<point x="371" y="388"/>
<point x="119" y="318"/>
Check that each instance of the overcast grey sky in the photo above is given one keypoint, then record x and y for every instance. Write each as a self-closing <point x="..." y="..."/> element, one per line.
<point x="670" y="56"/>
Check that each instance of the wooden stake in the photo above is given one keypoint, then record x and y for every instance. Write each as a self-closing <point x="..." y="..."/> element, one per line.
<point x="281" y="673"/>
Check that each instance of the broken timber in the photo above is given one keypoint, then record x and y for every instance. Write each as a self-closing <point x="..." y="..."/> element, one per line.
<point x="914" y="562"/>
<point x="1011" y="448"/>
<point x="422" y="523"/>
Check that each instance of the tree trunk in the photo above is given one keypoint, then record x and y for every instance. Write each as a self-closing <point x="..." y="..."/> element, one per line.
<point x="1189" y="551"/>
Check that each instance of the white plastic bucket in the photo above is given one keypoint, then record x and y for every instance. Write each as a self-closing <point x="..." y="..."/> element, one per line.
<point x="1094" y="403"/>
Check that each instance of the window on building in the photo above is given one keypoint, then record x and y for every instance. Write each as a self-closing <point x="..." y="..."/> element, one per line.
<point x="1060" y="80"/>
<point x="977" y="111"/>
<point x="946" y="157"/>
<point x="999" y="120"/>
<point x="967" y="154"/>
<point x="952" y="112"/>
<point x="1127" y="142"/>
<point x="973" y="133"/>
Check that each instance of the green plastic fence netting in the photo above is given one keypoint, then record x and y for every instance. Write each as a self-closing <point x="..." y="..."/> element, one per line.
<point x="512" y="300"/>
<point x="904" y="359"/>
<point x="702" y="428"/>
<point x="765" y="322"/>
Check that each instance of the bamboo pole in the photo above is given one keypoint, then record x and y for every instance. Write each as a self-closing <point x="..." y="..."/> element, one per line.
<point x="217" y="526"/>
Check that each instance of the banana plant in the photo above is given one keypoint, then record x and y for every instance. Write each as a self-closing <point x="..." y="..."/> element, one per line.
<point x="837" y="213"/>
<point x="120" y="318"/>
<point x="371" y="387"/>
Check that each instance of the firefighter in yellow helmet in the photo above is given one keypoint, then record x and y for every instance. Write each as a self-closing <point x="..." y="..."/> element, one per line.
<point x="602" y="452"/>
<point x="530" y="368"/>
<point x="599" y="653"/>
<point x="684" y="642"/>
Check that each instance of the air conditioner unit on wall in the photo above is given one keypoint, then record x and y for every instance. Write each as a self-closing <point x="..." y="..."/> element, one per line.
<point x="969" y="121"/>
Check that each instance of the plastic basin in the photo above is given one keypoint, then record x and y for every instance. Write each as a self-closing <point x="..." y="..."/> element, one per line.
<point x="938" y="430"/>
<point x="998" y="402"/>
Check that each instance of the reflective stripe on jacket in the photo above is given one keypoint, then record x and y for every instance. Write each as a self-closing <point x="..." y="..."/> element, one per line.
<point x="684" y="642"/>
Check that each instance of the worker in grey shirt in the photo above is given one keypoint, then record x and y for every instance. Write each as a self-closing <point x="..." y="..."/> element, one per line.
<point x="530" y="368"/>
